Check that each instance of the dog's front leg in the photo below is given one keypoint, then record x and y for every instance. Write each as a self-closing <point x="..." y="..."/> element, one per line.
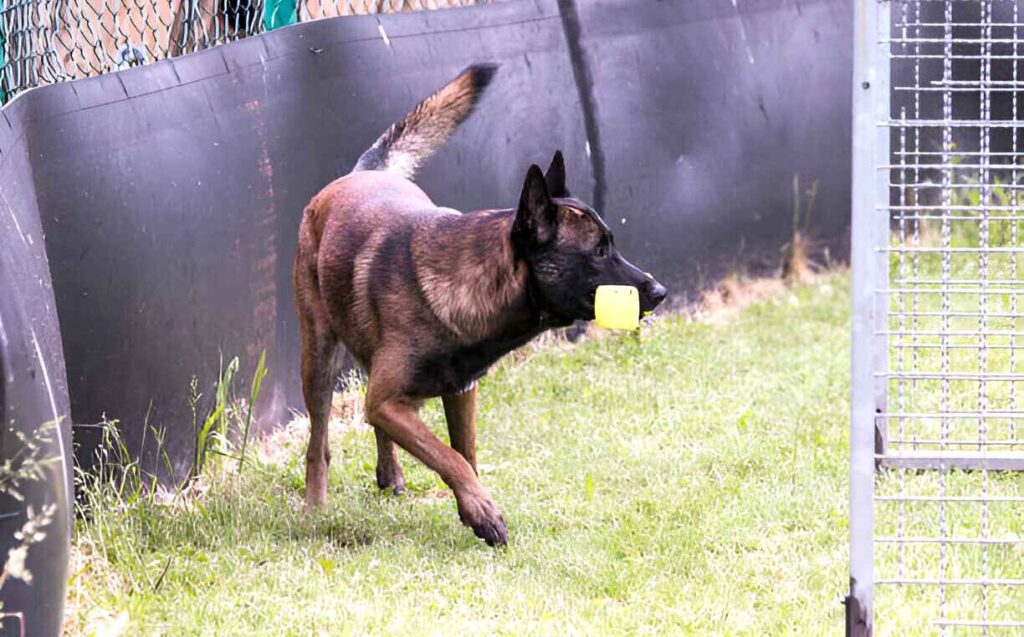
<point x="460" y="412"/>
<point x="396" y="415"/>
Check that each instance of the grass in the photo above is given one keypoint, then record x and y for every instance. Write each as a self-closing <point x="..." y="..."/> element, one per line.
<point x="981" y="329"/>
<point x="911" y="610"/>
<point x="960" y="333"/>
<point x="691" y="481"/>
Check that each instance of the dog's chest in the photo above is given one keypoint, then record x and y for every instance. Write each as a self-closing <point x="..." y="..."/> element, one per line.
<point x="452" y="370"/>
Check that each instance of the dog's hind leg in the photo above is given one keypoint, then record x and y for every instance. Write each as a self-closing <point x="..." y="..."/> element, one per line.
<point x="389" y="469"/>
<point x="460" y="412"/>
<point x="319" y="370"/>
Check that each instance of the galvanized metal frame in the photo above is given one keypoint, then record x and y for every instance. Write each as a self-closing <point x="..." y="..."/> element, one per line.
<point x="972" y="37"/>
<point x="867" y="352"/>
<point x="935" y="346"/>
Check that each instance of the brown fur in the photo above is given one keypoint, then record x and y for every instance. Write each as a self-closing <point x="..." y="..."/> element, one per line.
<point x="404" y="146"/>
<point x="382" y="270"/>
<point x="426" y="299"/>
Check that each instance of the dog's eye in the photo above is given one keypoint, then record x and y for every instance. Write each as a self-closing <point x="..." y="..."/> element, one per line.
<point x="602" y="248"/>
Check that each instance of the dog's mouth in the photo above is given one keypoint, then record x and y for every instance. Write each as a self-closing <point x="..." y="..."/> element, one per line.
<point x="647" y="307"/>
<point x="590" y="305"/>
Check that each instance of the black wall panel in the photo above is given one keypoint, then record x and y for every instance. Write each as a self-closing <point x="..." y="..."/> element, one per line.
<point x="170" y="194"/>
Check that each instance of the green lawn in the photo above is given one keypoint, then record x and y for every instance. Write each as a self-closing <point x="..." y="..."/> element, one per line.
<point x="694" y="482"/>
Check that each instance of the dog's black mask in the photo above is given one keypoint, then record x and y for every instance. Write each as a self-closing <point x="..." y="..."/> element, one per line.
<point x="570" y="250"/>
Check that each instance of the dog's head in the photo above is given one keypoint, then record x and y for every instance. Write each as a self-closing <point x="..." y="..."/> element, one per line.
<point x="570" y="250"/>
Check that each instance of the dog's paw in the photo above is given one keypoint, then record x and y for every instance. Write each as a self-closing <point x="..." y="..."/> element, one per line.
<point x="396" y="486"/>
<point x="395" y="482"/>
<point x="495" y="533"/>
<point x="482" y="515"/>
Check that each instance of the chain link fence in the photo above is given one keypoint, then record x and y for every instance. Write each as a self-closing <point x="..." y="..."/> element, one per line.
<point x="46" y="41"/>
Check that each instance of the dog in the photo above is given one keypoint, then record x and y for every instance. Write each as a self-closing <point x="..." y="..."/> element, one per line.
<point x="426" y="298"/>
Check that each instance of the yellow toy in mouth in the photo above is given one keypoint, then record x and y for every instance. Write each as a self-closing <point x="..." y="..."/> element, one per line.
<point x="617" y="307"/>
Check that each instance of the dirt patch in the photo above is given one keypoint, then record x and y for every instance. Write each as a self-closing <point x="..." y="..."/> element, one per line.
<point x="84" y="614"/>
<point x="346" y="413"/>
<point x="732" y="295"/>
<point x="729" y="297"/>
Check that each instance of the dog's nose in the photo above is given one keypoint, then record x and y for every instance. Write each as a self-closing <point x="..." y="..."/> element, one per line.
<point x="658" y="293"/>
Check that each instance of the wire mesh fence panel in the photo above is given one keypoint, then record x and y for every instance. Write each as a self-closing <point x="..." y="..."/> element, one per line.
<point x="947" y="543"/>
<point x="45" y="41"/>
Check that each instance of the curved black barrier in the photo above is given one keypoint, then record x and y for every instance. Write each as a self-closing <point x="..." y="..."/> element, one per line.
<point x="170" y="194"/>
<point x="35" y="431"/>
<point x="708" y="112"/>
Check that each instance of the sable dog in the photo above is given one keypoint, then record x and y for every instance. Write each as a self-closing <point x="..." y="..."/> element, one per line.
<point x="426" y="299"/>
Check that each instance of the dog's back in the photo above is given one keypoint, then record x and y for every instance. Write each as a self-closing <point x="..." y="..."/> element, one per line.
<point x="356" y="233"/>
<point x="349" y="232"/>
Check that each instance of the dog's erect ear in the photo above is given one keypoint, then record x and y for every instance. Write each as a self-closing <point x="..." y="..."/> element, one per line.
<point x="555" y="176"/>
<point x="535" y="217"/>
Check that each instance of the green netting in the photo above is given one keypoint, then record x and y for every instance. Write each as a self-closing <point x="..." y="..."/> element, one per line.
<point x="279" y="13"/>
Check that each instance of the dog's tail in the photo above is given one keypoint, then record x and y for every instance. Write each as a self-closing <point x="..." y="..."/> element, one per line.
<point x="417" y="136"/>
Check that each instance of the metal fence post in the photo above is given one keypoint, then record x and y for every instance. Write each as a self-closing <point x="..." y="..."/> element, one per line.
<point x="869" y="230"/>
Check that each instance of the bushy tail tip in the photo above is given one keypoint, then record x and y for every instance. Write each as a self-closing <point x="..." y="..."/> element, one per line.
<point x="418" y="135"/>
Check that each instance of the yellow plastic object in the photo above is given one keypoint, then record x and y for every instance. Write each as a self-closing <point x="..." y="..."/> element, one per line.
<point x="617" y="307"/>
